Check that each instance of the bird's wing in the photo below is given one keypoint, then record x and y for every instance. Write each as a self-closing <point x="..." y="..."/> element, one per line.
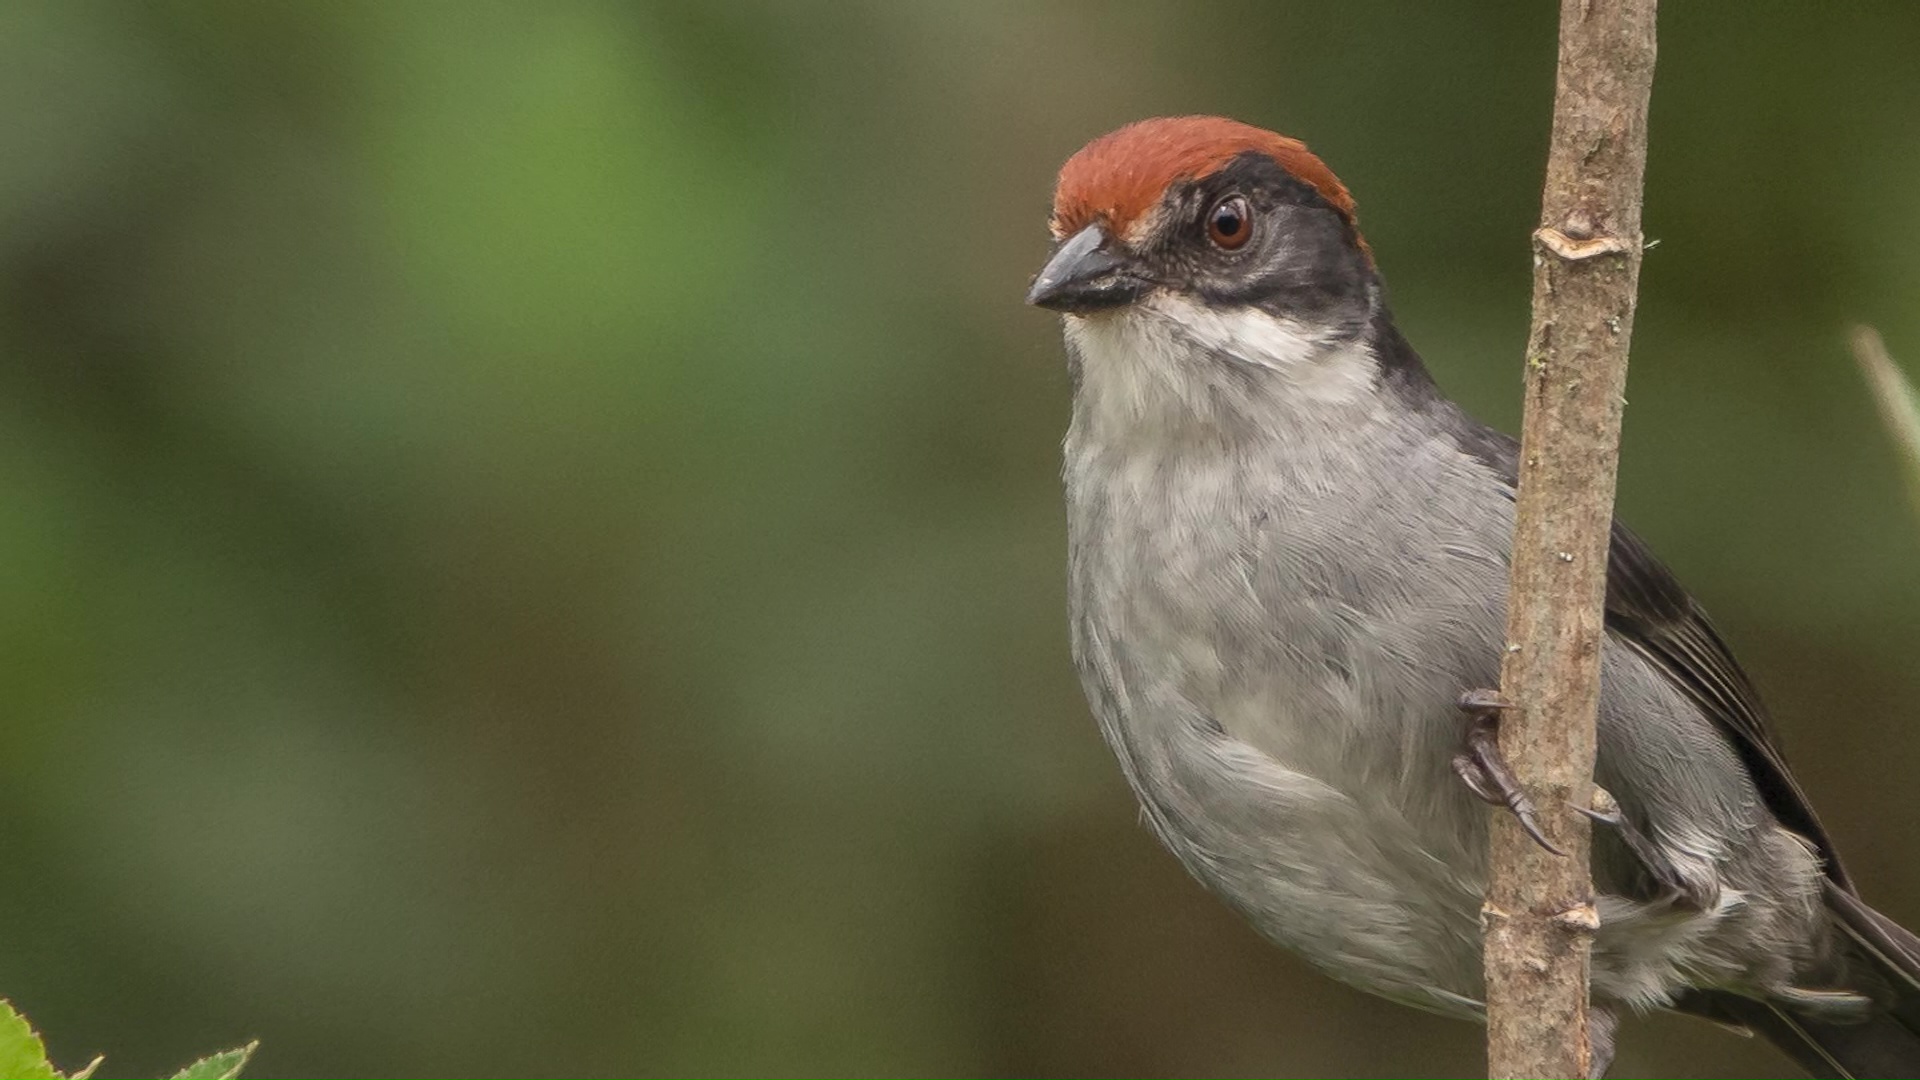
<point x="1651" y="613"/>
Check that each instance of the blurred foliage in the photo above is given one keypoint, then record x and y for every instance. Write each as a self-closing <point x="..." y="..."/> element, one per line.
<point x="24" y="1057"/>
<point x="1896" y="398"/>
<point x="529" y="537"/>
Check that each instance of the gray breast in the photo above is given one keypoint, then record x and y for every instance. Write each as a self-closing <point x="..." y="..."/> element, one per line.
<point x="1272" y="648"/>
<point x="1272" y="628"/>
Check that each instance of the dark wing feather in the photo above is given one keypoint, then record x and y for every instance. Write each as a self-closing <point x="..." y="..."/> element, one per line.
<point x="1649" y="611"/>
<point x="1878" y="1046"/>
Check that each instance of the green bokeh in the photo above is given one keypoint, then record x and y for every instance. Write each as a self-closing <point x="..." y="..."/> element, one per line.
<point x="529" y="538"/>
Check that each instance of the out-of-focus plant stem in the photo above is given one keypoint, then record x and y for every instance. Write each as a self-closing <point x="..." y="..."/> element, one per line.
<point x="1896" y="399"/>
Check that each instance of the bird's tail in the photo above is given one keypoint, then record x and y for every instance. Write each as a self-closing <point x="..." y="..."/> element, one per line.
<point x="1883" y="1043"/>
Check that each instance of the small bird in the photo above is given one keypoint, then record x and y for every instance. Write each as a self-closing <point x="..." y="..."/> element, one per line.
<point x="1287" y="562"/>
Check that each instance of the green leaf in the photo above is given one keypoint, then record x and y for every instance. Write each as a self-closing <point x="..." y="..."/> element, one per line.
<point x="224" y="1066"/>
<point x="83" y="1074"/>
<point x="22" y="1055"/>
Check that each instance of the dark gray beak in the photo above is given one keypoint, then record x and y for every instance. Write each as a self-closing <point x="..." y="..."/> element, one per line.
<point x="1085" y="275"/>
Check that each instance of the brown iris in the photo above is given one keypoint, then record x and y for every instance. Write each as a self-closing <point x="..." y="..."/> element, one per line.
<point x="1230" y="222"/>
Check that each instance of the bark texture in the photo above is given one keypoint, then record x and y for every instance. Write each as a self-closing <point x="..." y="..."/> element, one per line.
<point x="1539" y="908"/>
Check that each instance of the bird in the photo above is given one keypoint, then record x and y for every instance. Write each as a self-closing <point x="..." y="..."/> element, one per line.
<point x="1287" y="560"/>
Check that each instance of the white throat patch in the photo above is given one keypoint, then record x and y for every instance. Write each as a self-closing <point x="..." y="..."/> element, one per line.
<point x="1167" y="359"/>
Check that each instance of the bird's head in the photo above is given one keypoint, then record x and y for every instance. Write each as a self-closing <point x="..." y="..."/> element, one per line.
<point x="1202" y="234"/>
<point x="1221" y="211"/>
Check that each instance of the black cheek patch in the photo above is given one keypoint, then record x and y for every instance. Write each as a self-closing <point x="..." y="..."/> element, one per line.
<point x="1303" y="261"/>
<point x="1305" y="268"/>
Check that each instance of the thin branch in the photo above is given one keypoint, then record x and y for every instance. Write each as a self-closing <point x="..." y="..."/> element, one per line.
<point x="1539" y="913"/>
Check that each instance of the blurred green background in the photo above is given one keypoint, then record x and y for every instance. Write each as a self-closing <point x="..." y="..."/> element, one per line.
<point x="530" y="542"/>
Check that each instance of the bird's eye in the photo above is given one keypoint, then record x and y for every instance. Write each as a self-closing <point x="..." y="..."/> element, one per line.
<point x="1230" y="222"/>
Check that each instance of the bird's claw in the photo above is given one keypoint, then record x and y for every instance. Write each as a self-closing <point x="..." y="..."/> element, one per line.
<point x="1485" y="771"/>
<point x="1675" y="886"/>
<point x="1477" y="703"/>
<point x="1602" y="817"/>
<point x="1606" y="811"/>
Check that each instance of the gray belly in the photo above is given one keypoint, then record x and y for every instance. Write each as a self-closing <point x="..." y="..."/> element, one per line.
<point x="1275" y="669"/>
<point x="1283" y="708"/>
<point x="1340" y="874"/>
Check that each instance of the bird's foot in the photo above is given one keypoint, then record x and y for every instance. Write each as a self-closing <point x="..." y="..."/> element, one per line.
<point x="1677" y="888"/>
<point x="1486" y="772"/>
